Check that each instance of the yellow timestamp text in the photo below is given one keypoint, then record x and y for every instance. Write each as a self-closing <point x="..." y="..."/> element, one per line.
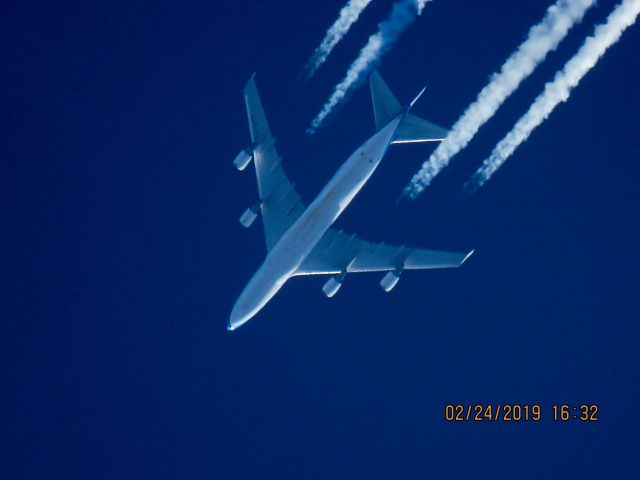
<point x="519" y="412"/>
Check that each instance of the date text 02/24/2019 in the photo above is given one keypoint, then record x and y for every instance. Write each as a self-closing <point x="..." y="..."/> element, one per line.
<point x="520" y="413"/>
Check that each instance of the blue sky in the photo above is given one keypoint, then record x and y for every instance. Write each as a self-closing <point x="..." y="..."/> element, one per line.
<point x="122" y="254"/>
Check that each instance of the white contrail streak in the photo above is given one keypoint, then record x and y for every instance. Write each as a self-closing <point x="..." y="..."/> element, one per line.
<point x="402" y="15"/>
<point x="542" y="38"/>
<point x="560" y="88"/>
<point x="347" y="17"/>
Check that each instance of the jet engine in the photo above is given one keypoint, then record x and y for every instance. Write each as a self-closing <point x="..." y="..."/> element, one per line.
<point x="390" y="280"/>
<point x="249" y="215"/>
<point x="243" y="158"/>
<point x="333" y="285"/>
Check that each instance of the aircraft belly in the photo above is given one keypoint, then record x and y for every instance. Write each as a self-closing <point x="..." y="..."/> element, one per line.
<point x="298" y="242"/>
<point x="307" y="231"/>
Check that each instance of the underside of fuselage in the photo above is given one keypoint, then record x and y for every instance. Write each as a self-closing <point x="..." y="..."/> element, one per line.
<point x="299" y="239"/>
<point x="294" y="246"/>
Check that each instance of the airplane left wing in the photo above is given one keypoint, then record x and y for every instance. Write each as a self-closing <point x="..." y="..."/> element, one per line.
<point x="338" y="252"/>
<point x="280" y="204"/>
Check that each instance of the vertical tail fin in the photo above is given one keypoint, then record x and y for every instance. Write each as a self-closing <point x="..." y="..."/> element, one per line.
<point x="412" y="129"/>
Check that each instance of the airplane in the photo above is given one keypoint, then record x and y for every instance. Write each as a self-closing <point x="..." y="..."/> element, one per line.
<point x="299" y="239"/>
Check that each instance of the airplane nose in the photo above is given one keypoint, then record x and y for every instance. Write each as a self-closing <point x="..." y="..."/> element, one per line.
<point x="255" y="295"/>
<point x="234" y="319"/>
<point x="238" y="316"/>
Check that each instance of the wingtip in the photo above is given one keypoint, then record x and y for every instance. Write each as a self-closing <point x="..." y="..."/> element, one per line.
<point x="417" y="96"/>
<point x="467" y="257"/>
<point x="251" y="80"/>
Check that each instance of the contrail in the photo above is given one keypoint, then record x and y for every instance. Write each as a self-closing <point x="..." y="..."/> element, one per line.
<point x="347" y="17"/>
<point x="560" y="88"/>
<point x="542" y="38"/>
<point x="402" y="15"/>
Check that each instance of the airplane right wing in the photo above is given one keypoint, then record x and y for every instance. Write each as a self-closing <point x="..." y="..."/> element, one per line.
<point x="280" y="205"/>
<point x="338" y="252"/>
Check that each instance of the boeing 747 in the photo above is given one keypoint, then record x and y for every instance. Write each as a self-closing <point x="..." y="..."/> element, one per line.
<point x="300" y="240"/>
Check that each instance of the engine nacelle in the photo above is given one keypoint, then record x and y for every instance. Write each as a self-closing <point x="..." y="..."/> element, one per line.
<point x="333" y="285"/>
<point x="249" y="216"/>
<point x="242" y="160"/>
<point x="390" y="280"/>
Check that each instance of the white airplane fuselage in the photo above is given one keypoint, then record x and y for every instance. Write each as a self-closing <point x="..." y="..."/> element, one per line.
<point x="297" y="243"/>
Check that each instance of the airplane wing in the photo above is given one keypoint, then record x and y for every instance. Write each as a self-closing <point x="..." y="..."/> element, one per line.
<point x="338" y="252"/>
<point x="280" y="204"/>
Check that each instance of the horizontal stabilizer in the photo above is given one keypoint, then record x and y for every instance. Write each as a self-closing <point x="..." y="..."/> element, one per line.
<point x="414" y="129"/>
<point x="386" y="106"/>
